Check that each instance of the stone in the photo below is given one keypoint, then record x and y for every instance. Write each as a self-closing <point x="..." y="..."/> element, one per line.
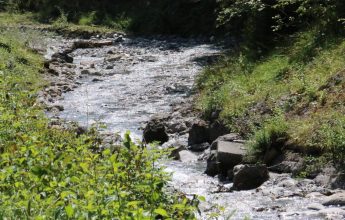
<point x="199" y="147"/>
<point x="248" y="177"/>
<point x="315" y="206"/>
<point x="284" y="167"/>
<point x="217" y="129"/>
<point x="176" y="127"/>
<point x="62" y="57"/>
<point x="226" y="152"/>
<point x="212" y="164"/>
<point x="175" y="152"/>
<point x="85" y="72"/>
<point x="228" y="137"/>
<point x="198" y="133"/>
<point x="337" y="199"/>
<point x="155" y="131"/>
<point x="91" y="43"/>
<point x="229" y="154"/>
<point x="114" y="58"/>
<point x="187" y="156"/>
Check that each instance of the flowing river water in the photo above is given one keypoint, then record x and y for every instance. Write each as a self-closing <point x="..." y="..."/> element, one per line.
<point x="124" y="84"/>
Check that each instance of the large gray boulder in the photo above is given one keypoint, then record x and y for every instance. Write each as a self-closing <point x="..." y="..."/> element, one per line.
<point x="248" y="177"/>
<point x="226" y="152"/>
<point x="229" y="154"/>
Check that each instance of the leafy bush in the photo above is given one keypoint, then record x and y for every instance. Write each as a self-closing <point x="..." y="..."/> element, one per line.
<point x="51" y="173"/>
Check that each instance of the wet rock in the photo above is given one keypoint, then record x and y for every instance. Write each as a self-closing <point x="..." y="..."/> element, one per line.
<point x="337" y="199"/>
<point x="286" y="167"/>
<point x="175" y="152"/>
<point x="177" y="89"/>
<point x="96" y="80"/>
<point x="91" y="44"/>
<point x="248" y="177"/>
<point x="118" y="39"/>
<point x="212" y="164"/>
<point x="85" y="72"/>
<point x="155" y="131"/>
<point x="114" y="58"/>
<point x="62" y="57"/>
<point x="198" y="133"/>
<point x="199" y="147"/>
<point x="187" y="156"/>
<point x="176" y="127"/>
<point x="315" y="206"/>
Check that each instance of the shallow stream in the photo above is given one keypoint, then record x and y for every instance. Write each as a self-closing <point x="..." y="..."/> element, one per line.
<point x="123" y="85"/>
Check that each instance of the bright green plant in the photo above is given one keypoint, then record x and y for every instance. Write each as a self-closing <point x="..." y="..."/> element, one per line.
<point x="48" y="173"/>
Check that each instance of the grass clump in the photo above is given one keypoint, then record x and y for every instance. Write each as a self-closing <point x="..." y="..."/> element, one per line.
<point x="48" y="173"/>
<point x="270" y="137"/>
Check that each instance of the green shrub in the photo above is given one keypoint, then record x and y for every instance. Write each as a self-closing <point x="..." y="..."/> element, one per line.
<point x="88" y="18"/>
<point x="52" y="173"/>
<point x="61" y="21"/>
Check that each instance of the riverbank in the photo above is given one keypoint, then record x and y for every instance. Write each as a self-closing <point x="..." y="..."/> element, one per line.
<point x="50" y="171"/>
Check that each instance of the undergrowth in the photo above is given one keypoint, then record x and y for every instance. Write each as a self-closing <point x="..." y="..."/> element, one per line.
<point x="303" y="78"/>
<point x="50" y="173"/>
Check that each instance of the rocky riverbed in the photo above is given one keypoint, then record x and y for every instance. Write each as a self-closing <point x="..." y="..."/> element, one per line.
<point x="124" y="82"/>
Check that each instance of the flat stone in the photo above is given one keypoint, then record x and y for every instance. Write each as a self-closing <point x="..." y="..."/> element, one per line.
<point x="229" y="154"/>
<point x="187" y="156"/>
<point x="337" y="199"/>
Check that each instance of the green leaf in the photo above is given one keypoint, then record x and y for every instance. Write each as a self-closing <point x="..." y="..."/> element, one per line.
<point x="69" y="211"/>
<point x="161" y="212"/>
<point x="202" y="198"/>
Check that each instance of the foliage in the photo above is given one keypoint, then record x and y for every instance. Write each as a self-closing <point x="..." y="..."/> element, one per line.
<point x="48" y="173"/>
<point x="303" y="77"/>
<point x="272" y="135"/>
<point x="61" y="21"/>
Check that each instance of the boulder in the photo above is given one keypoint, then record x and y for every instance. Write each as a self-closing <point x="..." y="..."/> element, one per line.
<point x="248" y="177"/>
<point x="199" y="133"/>
<point x="212" y="164"/>
<point x="155" y="131"/>
<point x="217" y="129"/>
<point x="226" y="152"/>
<point x="229" y="154"/>
<point x="337" y="199"/>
